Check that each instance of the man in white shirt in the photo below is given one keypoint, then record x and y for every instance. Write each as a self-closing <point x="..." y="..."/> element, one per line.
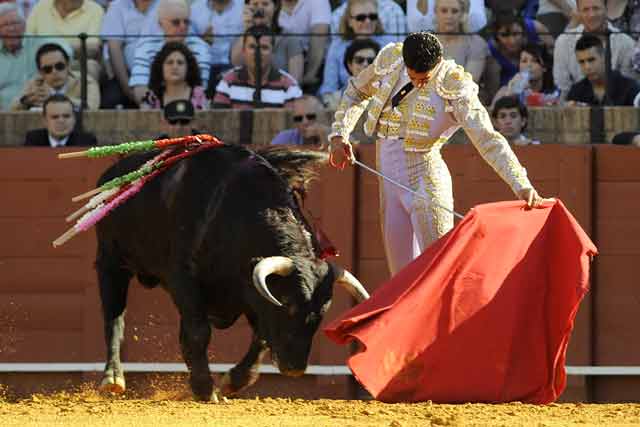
<point x="308" y="17"/>
<point x="174" y="20"/>
<point x="124" y="20"/>
<point x="219" y="22"/>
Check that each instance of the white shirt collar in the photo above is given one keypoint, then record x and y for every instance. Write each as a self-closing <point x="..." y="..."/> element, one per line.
<point x="58" y="142"/>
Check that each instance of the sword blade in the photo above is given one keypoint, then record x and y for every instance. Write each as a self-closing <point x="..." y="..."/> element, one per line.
<point x="404" y="187"/>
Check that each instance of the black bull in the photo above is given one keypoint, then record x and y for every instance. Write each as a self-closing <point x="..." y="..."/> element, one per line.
<point x="223" y="234"/>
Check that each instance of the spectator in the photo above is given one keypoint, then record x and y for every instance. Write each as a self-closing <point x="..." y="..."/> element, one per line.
<point x="25" y="7"/>
<point x="121" y="24"/>
<point x="592" y="13"/>
<point x="556" y="15"/>
<point x="173" y="17"/>
<point x="177" y="119"/>
<point x="308" y="17"/>
<point x="55" y="77"/>
<point x="598" y="87"/>
<point x="237" y="89"/>
<point x="218" y="22"/>
<point x="510" y="34"/>
<point x="470" y="51"/>
<point x="360" y="20"/>
<point x="359" y="54"/>
<point x="60" y="126"/>
<point x="421" y="15"/>
<point x="392" y="19"/>
<point x="175" y="75"/>
<point x="627" y="138"/>
<point x="17" y="53"/>
<point x="533" y="84"/>
<point x="288" y="51"/>
<point x="70" y="18"/>
<point x="308" y="127"/>
<point x="510" y="119"/>
<point x="625" y="16"/>
<point x="527" y="9"/>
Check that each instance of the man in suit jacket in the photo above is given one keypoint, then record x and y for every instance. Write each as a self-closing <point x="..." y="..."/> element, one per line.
<point x="60" y="122"/>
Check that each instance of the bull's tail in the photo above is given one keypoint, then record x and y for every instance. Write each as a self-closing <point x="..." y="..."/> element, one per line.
<point x="297" y="166"/>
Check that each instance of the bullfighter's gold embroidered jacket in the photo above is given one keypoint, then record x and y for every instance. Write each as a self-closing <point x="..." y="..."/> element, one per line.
<point x="426" y="119"/>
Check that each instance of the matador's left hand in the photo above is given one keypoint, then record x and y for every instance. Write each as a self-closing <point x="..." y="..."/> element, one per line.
<point x="531" y="196"/>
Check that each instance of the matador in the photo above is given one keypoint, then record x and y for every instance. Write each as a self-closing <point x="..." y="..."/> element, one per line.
<point x="415" y="100"/>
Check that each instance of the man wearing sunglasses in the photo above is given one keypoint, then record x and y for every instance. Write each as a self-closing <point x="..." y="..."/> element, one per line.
<point x="55" y="77"/>
<point x="415" y="100"/>
<point x="309" y="127"/>
<point x="17" y="53"/>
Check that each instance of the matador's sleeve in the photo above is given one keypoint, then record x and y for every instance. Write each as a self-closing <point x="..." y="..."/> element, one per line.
<point x="461" y="94"/>
<point x="361" y="88"/>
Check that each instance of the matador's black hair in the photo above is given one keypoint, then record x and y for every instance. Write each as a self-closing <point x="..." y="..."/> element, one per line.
<point x="421" y="51"/>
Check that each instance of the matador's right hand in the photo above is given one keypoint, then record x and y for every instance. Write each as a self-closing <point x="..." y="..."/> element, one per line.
<point x="340" y="152"/>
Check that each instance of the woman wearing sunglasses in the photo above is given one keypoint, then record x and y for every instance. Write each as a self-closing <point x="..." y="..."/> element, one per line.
<point x="55" y="77"/>
<point x="360" y="20"/>
<point x="175" y="75"/>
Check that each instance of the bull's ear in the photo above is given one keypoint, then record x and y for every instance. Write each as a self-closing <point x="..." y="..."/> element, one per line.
<point x="297" y="167"/>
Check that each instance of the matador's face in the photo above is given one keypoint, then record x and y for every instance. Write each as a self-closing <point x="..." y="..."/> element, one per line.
<point x="419" y="79"/>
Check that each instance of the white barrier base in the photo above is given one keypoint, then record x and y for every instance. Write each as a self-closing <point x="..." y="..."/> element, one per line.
<point x="264" y="369"/>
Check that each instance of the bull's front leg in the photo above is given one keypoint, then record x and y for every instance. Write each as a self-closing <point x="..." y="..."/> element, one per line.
<point x="113" y="281"/>
<point x="245" y="373"/>
<point x="195" y="334"/>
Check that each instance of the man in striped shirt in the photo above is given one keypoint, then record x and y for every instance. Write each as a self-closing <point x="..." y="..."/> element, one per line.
<point x="173" y="17"/>
<point x="237" y="89"/>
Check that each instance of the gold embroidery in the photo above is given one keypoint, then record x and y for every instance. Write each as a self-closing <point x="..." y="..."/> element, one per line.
<point x="390" y="57"/>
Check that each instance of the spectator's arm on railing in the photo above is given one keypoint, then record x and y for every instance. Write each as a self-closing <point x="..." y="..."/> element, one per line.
<point x="545" y="35"/>
<point x="562" y="54"/>
<point x="119" y="66"/>
<point x="478" y="59"/>
<point x="236" y="52"/>
<point x="139" y="93"/>
<point x="317" y="47"/>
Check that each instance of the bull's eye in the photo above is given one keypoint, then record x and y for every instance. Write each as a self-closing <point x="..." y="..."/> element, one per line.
<point x="292" y="310"/>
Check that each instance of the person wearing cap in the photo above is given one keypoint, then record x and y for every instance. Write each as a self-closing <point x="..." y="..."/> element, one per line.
<point x="177" y="119"/>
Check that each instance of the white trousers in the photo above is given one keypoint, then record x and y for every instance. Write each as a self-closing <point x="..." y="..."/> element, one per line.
<point x="410" y="223"/>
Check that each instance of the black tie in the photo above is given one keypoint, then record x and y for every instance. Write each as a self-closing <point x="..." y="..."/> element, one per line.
<point x="401" y="94"/>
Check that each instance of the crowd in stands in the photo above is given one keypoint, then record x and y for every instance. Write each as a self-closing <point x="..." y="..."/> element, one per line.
<point x="300" y="54"/>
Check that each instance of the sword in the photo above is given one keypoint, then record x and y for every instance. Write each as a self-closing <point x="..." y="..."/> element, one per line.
<point x="404" y="187"/>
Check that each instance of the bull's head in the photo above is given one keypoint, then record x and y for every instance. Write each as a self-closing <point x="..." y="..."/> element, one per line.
<point x="304" y="290"/>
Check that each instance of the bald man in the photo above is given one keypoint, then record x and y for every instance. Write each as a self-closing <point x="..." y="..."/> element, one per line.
<point x="309" y="127"/>
<point x="173" y="18"/>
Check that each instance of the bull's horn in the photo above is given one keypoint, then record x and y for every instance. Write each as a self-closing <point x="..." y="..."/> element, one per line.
<point x="279" y="265"/>
<point x="350" y="284"/>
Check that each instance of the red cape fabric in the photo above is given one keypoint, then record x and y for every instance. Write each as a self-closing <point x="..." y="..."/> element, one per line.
<point x="483" y="315"/>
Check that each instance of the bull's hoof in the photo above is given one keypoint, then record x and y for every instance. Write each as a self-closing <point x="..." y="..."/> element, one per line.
<point x="218" y="397"/>
<point x="112" y="385"/>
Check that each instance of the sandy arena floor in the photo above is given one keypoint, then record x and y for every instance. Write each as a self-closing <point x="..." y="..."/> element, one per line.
<point x="90" y="409"/>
